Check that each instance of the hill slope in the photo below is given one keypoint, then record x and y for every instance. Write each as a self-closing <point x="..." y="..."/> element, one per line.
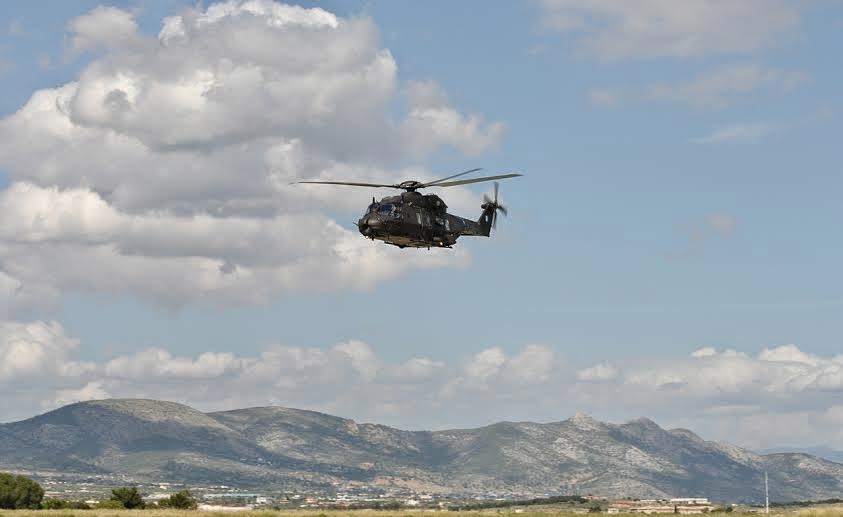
<point x="165" y="441"/>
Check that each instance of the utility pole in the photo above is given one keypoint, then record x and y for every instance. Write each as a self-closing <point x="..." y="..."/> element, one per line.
<point x="766" y="494"/>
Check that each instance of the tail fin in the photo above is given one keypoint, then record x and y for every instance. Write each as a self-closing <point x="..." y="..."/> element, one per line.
<point x="487" y="218"/>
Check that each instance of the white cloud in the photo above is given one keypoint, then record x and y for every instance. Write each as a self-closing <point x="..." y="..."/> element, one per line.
<point x="174" y="258"/>
<point x="598" y="372"/>
<point x="664" y="28"/>
<point x="361" y="357"/>
<point x="429" y="128"/>
<point x="37" y="349"/>
<point x="103" y="28"/>
<point x="492" y="367"/>
<point x="426" y="94"/>
<point x="714" y="89"/>
<point x="737" y="134"/>
<point x="168" y="162"/>
<point x="533" y="365"/>
<point x="722" y="85"/>
<point x="91" y="391"/>
<point x="484" y="365"/>
<point x="417" y="369"/>
<point x="155" y="362"/>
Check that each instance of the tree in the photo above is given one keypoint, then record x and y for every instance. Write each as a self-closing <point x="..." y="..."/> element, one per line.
<point x="61" y="504"/>
<point x="128" y="496"/>
<point x="54" y="504"/>
<point x="182" y="500"/>
<point x="19" y="492"/>
<point x="110" y="504"/>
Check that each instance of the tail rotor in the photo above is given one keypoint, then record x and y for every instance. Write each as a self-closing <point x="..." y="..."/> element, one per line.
<point x="494" y="206"/>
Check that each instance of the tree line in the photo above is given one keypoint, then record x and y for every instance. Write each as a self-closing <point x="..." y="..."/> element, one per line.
<point x="23" y="493"/>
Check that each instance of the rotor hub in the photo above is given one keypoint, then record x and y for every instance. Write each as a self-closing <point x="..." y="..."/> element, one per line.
<point x="411" y="185"/>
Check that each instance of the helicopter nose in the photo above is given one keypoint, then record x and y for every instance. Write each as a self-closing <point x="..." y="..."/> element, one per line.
<point x="374" y="223"/>
<point x="369" y="225"/>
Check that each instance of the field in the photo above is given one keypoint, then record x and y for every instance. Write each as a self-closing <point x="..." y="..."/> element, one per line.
<point x="820" y="511"/>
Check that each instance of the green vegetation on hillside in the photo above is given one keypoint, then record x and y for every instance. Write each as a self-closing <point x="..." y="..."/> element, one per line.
<point x="560" y="499"/>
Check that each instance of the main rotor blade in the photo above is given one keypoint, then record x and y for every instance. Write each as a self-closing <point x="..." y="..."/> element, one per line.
<point x="431" y="183"/>
<point x="349" y="183"/>
<point x="475" y="180"/>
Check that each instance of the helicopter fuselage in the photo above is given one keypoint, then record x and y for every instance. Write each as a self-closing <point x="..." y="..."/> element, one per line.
<point x="420" y="221"/>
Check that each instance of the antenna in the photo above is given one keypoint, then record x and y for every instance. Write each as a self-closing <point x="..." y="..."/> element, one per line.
<point x="766" y="494"/>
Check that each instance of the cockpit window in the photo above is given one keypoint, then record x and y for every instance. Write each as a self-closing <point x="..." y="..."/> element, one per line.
<point x="388" y="210"/>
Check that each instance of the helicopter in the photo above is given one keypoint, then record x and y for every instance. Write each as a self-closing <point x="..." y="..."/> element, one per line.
<point x="417" y="220"/>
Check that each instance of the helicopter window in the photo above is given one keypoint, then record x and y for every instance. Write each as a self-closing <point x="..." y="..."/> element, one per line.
<point x="389" y="210"/>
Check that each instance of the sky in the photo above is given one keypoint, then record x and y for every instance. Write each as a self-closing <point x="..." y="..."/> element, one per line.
<point x="671" y="251"/>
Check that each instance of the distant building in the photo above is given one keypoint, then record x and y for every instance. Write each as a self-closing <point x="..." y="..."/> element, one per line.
<point x="690" y="500"/>
<point x="221" y="508"/>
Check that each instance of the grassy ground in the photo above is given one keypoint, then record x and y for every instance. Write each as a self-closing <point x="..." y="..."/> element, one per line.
<point x="820" y="511"/>
<point x="290" y="513"/>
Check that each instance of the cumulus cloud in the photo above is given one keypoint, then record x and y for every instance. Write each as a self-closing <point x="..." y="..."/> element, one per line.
<point x="90" y="391"/>
<point x="103" y="28"/>
<point x="598" y="372"/>
<point x="492" y="368"/>
<point x="533" y="365"/>
<point x="432" y="122"/>
<point x="35" y="349"/>
<point x="155" y="362"/>
<point x="662" y="28"/>
<point x="168" y="161"/>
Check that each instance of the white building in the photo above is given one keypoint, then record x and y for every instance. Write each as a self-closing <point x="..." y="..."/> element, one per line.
<point x="689" y="500"/>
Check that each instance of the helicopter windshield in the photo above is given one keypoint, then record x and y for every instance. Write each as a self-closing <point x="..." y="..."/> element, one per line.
<point x="388" y="210"/>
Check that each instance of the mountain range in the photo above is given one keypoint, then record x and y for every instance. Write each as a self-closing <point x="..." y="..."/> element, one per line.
<point x="156" y="441"/>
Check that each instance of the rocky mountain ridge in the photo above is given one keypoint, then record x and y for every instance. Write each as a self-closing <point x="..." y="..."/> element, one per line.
<point x="274" y="446"/>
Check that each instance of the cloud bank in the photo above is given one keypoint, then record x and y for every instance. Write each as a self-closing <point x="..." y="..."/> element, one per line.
<point x="782" y="395"/>
<point x="167" y="164"/>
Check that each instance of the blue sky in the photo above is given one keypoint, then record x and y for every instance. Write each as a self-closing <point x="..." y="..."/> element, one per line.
<point x="680" y="192"/>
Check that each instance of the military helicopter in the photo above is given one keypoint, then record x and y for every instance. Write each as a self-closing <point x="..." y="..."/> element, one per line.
<point x="421" y="221"/>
